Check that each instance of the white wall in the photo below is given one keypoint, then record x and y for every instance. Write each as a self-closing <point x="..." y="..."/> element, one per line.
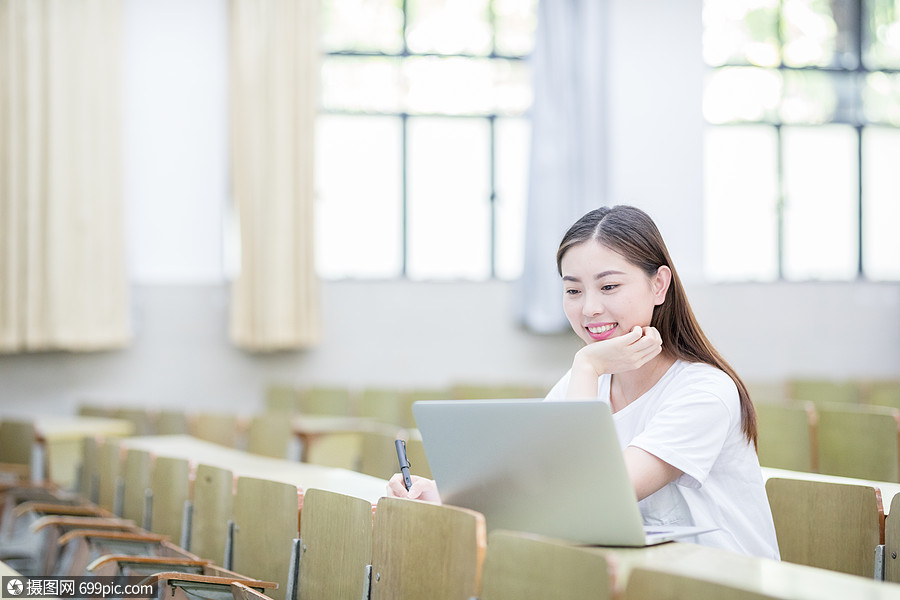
<point x="405" y="334"/>
<point x="376" y="333"/>
<point x="828" y="330"/>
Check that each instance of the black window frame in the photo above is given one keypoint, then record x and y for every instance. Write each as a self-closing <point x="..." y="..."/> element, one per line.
<point x="404" y="117"/>
<point x="858" y="122"/>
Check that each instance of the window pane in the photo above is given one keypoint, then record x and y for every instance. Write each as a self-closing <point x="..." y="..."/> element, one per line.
<point x="742" y="94"/>
<point x="448" y="26"/>
<point x="515" y="22"/>
<point x="358" y="208"/>
<point x="881" y="32"/>
<point x="740" y="32"/>
<point x="448" y="206"/>
<point x="881" y="208"/>
<point x="362" y="25"/>
<point x="465" y="86"/>
<point x="821" y="215"/>
<point x="881" y="98"/>
<point x="361" y="84"/>
<point x="820" y="34"/>
<point x="513" y="141"/>
<point x="812" y="97"/>
<point x="741" y="228"/>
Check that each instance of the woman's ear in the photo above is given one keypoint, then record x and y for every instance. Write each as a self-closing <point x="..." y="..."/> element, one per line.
<point x="660" y="283"/>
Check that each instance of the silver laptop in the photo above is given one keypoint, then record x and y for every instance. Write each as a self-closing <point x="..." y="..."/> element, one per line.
<point x="552" y="468"/>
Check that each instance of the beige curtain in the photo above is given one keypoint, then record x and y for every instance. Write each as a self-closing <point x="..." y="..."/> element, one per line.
<point x="274" y="71"/>
<point x="63" y="282"/>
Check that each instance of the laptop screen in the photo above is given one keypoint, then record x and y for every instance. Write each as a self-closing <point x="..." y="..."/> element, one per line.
<point x="552" y="468"/>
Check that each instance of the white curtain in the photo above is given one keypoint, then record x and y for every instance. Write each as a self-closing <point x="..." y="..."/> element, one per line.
<point x="63" y="281"/>
<point x="568" y="152"/>
<point x="274" y="75"/>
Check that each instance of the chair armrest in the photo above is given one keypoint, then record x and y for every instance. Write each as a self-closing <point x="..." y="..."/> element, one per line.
<point x="84" y="522"/>
<point x="111" y="535"/>
<point x="62" y="509"/>
<point x="176" y="576"/>
<point x="148" y="560"/>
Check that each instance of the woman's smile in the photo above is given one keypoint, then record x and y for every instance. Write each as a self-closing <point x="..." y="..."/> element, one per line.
<point x="601" y="331"/>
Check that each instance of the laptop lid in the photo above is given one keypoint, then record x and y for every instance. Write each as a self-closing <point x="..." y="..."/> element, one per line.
<point x="552" y="468"/>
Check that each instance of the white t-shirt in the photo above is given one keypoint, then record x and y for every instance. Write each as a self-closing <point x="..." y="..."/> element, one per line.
<point x="691" y="419"/>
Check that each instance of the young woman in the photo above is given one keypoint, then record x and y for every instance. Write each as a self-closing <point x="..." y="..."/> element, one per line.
<point x="683" y="416"/>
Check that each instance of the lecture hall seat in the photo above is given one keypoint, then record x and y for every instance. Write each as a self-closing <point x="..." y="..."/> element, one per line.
<point x="317" y="400"/>
<point x="336" y="546"/>
<point x="382" y="405"/>
<point x="882" y="393"/>
<point x="270" y="434"/>
<point x="832" y="526"/>
<point x="136" y="470"/>
<point x="213" y="504"/>
<point x="787" y="436"/>
<point x="820" y="391"/>
<point x="859" y="441"/>
<point x="266" y="523"/>
<point x="378" y="454"/>
<point x="170" y="493"/>
<point x="524" y="566"/>
<point x="439" y="558"/>
<point x="892" y="542"/>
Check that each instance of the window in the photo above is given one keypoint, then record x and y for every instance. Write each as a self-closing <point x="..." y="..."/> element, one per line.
<point x="803" y="102"/>
<point x="422" y="143"/>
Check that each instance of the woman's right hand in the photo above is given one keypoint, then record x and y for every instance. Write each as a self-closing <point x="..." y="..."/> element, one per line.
<point x="421" y="489"/>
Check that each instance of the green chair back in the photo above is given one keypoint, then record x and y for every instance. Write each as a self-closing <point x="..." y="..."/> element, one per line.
<point x="520" y="566"/>
<point x="786" y="434"/>
<point x="827" y="525"/>
<point x="859" y="441"/>
<point x="336" y="546"/>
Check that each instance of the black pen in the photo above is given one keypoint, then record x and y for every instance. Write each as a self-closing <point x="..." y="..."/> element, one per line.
<point x="404" y="463"/>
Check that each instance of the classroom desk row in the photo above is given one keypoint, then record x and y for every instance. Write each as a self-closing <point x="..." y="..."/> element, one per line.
<point x="243" y="464"/>
<point x="50" y="447"/>
<point x="228" y="506"/>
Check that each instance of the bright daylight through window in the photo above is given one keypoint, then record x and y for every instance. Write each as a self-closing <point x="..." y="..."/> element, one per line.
<point x="803" y="102"/>
<point x="422" y="141"/>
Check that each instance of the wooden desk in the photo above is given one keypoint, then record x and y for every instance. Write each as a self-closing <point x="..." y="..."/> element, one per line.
<point x="776" y="579"/>
<point x="68" y="428"/>
<point x="58" y="444"/>
<point x="309" y="429"/>
<point x="241" y="463"/>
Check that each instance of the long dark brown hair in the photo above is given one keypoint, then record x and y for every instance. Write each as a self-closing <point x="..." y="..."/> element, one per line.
<point x="631" y="233"/>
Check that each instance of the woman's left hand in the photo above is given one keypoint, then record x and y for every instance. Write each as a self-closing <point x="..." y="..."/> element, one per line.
<point x="608" y="357"/>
